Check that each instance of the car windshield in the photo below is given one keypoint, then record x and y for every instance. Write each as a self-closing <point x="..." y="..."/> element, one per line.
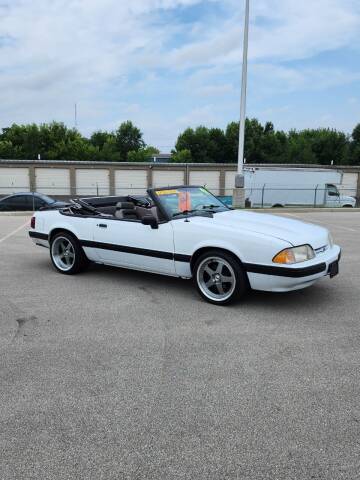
<point x="189" y="200"/>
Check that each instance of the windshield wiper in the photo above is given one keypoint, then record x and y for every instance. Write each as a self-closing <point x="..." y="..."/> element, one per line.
<point x="196" y="210"/>
<point x="211" y="207"/>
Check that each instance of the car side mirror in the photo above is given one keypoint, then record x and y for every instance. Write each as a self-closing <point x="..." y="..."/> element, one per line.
<point x="150" y="220"/>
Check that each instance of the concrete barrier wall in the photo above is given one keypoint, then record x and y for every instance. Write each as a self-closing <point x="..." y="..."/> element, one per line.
<point x="63" y="179"/>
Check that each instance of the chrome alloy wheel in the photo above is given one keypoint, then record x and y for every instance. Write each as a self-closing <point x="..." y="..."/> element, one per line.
<point x="216" y="278"/>
<point x="63" y="253"/>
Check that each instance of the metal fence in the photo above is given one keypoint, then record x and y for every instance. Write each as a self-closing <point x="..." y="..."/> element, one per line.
<point x="66" y="179"/>
<point x="268" y="196"/>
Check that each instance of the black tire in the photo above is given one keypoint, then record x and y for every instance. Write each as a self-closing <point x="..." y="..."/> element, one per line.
<point x="209" y="286"/>
<point x="76" y="257"/>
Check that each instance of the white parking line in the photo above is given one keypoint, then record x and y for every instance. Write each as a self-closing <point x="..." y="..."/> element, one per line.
<point x="323" y="223"/>
<point x="9" y="235"/>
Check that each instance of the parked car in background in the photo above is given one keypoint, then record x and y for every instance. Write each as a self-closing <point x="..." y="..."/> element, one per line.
<point x="24" y="202"/>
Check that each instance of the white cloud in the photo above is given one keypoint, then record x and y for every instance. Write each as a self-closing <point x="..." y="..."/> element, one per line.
<point x="205" y="115"/>
<point x="279" y="78"/>
<point x="215" y="90"/>
<point x="122" y="58"/>
<point x="303" y="29"/>
<point x="291" y="30"/>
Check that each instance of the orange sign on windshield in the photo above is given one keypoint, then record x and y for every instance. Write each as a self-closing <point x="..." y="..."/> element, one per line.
<point x="184" y="201"/>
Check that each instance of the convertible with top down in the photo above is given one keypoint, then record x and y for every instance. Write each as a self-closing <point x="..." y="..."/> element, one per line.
<point x="185" y="231"/>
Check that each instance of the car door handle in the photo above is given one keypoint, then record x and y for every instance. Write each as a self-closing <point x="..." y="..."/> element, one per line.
<point x="101" y="225"/>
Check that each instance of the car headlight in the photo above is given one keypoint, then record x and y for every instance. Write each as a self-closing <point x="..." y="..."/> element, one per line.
<point x="295" y="255"/>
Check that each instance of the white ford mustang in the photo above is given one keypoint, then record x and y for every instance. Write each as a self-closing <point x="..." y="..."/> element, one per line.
<point x="188" y="233"/>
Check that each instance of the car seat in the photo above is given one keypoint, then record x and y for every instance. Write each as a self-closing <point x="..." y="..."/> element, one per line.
<point x="145" y="211"/>
<point x="126" y="211"/>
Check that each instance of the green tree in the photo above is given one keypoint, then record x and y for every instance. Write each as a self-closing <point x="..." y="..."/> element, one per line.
<point x="299" y="149"/>
<point x="354" y="149"/>
<point x="7" y="149"/>
<point x="328" y="145"/>
<point x="273" y="145"/>
<point x="232" y="142"/>
<point x="197" y="142"/>
<point x="254" y="133"/>
<point x="262" y="143"/>
<point x="356" y="134"/>
<point x="100" y="138"/>
<point x="321" y="146"/>
<point x="181" y="156"/>
<point x="109" y="151"/>
<point x="52" y="141"/>
<point x="143" y="155"/>
<point x="25" y="139"/>
<point x="217" y="145"/>
<point x="128" y="138"/>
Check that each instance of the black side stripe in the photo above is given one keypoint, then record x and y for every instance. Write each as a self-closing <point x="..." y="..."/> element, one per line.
<point x="41" y="236"/>
<point x="136" y="251"/>
<point x="178" y="257"/>
<point x="285" y="271"/>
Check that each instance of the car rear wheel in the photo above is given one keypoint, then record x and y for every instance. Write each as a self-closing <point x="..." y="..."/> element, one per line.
<point x="219" y="277"/>
<point x="66" y="254"/>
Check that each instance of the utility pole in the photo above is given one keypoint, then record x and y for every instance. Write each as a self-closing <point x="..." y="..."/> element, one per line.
<point x="239" y="190"/>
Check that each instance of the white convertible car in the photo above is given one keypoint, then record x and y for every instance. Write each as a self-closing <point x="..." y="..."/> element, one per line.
<point x="187" y="232"/>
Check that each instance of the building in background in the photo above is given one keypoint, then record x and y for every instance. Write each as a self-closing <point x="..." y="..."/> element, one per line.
<point x="162" y="158"/>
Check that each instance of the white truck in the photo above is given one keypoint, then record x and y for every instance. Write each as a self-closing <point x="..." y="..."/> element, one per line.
<point x="281" y="187"/>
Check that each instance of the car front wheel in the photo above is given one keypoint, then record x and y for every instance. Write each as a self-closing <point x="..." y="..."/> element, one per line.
<point x="220" y="278"/>
<point x="66" y="254"/>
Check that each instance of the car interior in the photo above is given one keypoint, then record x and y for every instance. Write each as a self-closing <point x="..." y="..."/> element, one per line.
<point x="122" y="208"/>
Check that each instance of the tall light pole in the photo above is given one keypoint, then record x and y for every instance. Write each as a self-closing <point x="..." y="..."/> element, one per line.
<point x="239" y="191"/>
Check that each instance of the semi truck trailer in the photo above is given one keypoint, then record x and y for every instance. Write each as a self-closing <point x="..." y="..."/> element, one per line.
<point x="281" y="187"/>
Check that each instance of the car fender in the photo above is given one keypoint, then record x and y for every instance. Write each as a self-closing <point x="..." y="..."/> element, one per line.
<point x="248" y="246"/>
<point x="261" y="251"/>
<point x="80" y="230"/>
<point x="66" y="227"/>
<point x="222" y="245"/>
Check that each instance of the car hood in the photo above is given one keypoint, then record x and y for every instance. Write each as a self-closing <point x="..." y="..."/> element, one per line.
<point x="290" y="230"/>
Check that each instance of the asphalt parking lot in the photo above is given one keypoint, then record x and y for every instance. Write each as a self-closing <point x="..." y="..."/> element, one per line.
<point x="114" y="374"/>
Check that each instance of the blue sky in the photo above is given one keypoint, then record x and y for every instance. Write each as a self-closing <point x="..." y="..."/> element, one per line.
<point x="169" y="64"/>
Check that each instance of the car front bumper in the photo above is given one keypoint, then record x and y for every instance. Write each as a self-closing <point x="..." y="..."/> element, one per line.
<point x="273" y="278"/>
